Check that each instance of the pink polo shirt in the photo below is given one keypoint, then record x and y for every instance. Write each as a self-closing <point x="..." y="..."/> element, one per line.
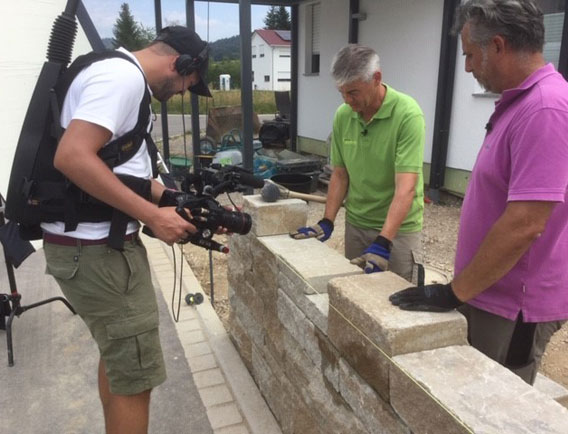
<point x="524" y="157"/>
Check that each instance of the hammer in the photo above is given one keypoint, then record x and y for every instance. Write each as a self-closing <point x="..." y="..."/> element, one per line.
<point x="271" y="192"/>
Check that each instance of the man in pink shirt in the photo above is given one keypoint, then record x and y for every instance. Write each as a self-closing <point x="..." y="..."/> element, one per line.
<point x="510" y="264"/>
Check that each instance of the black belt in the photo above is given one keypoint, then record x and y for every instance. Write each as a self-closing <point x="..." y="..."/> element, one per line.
<point x="62" y="240"/>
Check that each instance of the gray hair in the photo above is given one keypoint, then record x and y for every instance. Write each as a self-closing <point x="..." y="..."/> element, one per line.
<point x="520" y="22"/>
<point x="354" y="62"/>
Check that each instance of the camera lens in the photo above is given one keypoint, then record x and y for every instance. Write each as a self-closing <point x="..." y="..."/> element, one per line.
<point x="237" y="222"/>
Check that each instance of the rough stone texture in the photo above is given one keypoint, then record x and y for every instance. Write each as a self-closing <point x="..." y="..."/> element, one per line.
<point x="280" y="217"/>
<point x="309" y="260"/>
<point x="362" y="301"/>
<point x="472" y="394"/>
<point x="315" y="344"/>
<point x="241" y="339"/>
<point x="552" y="388"/>
<point x="376" y="414"/>
<point x="370" y="362"/>
<point x="314" y="306"/>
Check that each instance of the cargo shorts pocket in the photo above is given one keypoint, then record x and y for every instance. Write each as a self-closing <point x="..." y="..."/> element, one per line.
<point x="133" y="343"/>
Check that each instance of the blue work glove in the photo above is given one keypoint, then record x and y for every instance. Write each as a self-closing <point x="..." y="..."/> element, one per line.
<point x="321" y="230"/>
<point x="430" y="298"/>
<point x="375" y="257"/>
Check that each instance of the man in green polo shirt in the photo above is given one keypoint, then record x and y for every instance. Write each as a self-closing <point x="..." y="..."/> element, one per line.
<point x="377" y="153"/>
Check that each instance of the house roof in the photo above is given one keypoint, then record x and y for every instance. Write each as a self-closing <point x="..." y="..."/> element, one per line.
<point x="275" y="37"/>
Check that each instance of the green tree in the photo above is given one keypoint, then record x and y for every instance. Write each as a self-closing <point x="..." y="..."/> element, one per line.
<point x="128" y="33"/>
<point x="277" y="18"/>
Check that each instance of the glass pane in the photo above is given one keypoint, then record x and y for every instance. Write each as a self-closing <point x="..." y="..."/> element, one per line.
<point x="553" y="25"/>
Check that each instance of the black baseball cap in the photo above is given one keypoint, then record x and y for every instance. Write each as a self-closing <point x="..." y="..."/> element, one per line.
<point x="186" y="41"/>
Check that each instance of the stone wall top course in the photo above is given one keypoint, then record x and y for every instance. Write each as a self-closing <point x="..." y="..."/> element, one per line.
<point x="362" y="300"/>
<point x="271" y="218"/>
<point x="482" y="396"/>
<point x="311" y="260"/>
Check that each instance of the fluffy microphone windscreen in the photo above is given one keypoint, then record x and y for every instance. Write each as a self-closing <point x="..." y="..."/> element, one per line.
<point x="270" y="192"/>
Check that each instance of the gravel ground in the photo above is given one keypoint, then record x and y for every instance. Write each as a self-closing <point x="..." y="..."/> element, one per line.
<point x="439" y="241"/>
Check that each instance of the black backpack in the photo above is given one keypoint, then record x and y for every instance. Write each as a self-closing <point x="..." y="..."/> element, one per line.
<point x="39" y="193"/>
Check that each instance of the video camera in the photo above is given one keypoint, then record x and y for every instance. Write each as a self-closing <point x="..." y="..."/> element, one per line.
<point x="198" y="193"/>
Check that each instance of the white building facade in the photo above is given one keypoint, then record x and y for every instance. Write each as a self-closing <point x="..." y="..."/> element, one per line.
<point x="271" y="59"/>
<point x="22" y="54"/>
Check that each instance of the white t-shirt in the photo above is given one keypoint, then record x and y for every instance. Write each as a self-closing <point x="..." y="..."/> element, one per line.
<point x="107" y="93"/>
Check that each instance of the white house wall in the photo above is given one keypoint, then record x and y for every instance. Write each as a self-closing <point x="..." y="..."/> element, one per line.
<point x="317" y="96"/>
<point x="25" y="33"/>
<point x="261" y="65"/>
<point x="281" y="67"/>
<point x="405" y="33"/>
<point x="470" y="112"/>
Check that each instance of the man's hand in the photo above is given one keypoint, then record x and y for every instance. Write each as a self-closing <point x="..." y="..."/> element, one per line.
<point x="376" y="257"/>
<point x="321" y="230"/>
<point x="169" y="226"/>
<point x="430" y="298"/>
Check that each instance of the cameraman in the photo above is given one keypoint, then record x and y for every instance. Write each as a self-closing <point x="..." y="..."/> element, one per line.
<point x="112" y="289"/>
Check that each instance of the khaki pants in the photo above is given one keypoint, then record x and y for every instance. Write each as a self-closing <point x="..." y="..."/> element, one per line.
<point x="517" y="345"/>
<point x="406" y="251"/>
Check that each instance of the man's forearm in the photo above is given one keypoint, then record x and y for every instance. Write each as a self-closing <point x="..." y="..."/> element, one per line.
<point x="336" y="192"/>
<point x="401" y="203"/>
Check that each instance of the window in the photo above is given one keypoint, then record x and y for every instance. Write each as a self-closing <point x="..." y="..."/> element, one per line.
<point x="267" y="78"/>
<point x="252" y="75"/>
<point x="261" y="50"/>
<point x="553" y="24"/>
<point x="313" y="26"/>
<point x="253" y="51"/>
<point x="284" y="55"/>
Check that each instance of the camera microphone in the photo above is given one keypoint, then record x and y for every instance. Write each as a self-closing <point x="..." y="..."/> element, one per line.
<point x="488" y="127"/>
<point x="364" y="132"/>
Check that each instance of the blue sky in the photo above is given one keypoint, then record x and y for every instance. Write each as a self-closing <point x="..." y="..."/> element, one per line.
<point x="223" y="17"/>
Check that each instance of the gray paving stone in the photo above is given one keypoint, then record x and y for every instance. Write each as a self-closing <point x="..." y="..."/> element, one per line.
<point x="234" y="429"/>
<point x="456" y="389"/>
<point x="211" y="377"/>
<point x="199" y="349"/>
<point x="215" y="395"/>
<point x="202" y="363"/>
<point x="224" y="416"/>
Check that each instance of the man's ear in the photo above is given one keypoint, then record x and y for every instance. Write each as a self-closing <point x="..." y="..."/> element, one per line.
<point x="377" y="77"/>
<point x="499" y="44"/>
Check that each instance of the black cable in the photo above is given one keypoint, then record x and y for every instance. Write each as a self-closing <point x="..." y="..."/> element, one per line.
<point x="176" y="316"/>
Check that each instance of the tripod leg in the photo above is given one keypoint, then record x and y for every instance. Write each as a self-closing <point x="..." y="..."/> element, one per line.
<point x="9" y="338"/>
<point x="49" y="300"/>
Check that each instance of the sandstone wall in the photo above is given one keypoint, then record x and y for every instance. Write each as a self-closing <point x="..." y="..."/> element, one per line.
<point x="330" y="354"/>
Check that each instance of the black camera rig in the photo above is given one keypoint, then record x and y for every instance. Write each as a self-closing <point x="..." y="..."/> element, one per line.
<point x="197" y="195"/>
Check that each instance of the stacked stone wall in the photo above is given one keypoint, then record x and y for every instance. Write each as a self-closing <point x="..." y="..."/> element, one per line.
<point x="330" y="354"/>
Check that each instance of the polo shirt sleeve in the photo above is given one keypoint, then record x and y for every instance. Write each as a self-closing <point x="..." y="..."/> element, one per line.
<point x="539" y="157"/>
<point x="410" y="145"/>
<point x="336" y="157"/>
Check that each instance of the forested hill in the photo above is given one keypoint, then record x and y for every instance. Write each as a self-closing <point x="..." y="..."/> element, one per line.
<point x="226" y="48"/>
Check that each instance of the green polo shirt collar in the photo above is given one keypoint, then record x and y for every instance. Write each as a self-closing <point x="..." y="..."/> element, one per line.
<point x="384" y="111"/>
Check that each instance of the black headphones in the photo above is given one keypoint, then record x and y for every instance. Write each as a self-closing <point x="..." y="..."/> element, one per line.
<point x="186" y="63"/>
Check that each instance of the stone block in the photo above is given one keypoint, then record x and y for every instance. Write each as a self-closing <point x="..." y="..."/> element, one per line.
<point x="361" y="301"/>
<point x="310" y="261"/>
<point x="366" y="359"/>
<point x="332" y="412"/>
<point x="250" y="324"/>
<point x="457" y="389"/>
<point x="551" y="388"/>
<point x="314" y="306"/>
<point x="281" y="217"/>
<point x="376" y="414"/>
<point x="240" y="339"/>
<point x="315" y="344"/>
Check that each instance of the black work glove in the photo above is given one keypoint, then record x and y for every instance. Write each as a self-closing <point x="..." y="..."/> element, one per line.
<point x="429" y="298"/>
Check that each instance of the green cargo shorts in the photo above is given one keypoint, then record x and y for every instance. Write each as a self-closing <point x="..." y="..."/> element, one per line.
<point x="112" y="291"/>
